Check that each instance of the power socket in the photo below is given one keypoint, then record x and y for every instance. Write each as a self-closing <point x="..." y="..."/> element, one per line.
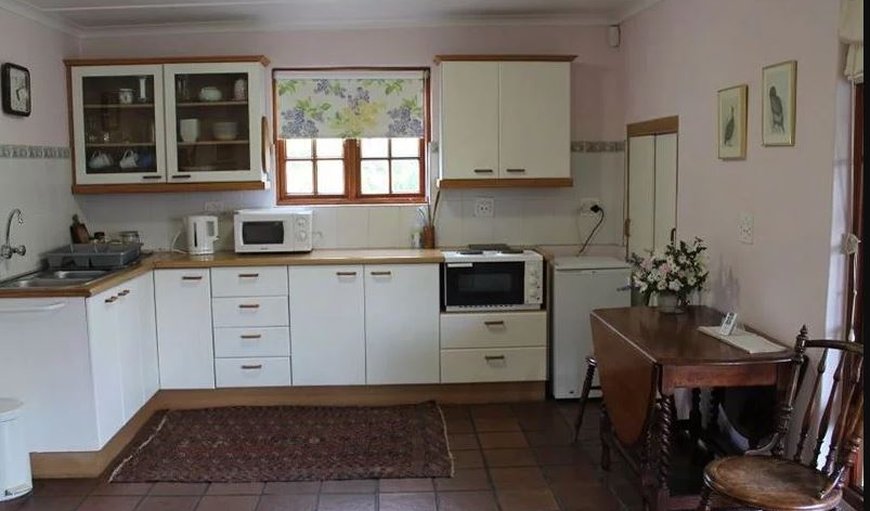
<point x="586" y="205"/>
<point x="214" y="207"/>
<point x="484" y="207"/>
<point x="745" y="228"/>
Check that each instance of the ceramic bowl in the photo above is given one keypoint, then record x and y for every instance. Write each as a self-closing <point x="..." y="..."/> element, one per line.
<point x="227" y="130"/>
<point x="210" y="94"/>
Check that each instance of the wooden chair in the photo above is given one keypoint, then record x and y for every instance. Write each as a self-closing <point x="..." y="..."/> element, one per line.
<point x="591" y="364"/>
<point x="774" y="482"/>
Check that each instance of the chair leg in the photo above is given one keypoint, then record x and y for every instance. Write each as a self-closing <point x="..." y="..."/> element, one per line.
<point x="591" y="364"/>
<point x="706" y="495"/>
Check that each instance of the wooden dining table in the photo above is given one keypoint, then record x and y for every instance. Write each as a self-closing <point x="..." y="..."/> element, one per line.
<point x="645" y="355"/>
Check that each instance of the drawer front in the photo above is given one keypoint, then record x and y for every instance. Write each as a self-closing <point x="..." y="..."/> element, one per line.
<point x="251" y="311"/>
<point x="493" y="365"/>
<point x="249" y="281"/>
<point x="252" y="342"/>
<point x="494" y="330"/>
<point x="252" y="372"/>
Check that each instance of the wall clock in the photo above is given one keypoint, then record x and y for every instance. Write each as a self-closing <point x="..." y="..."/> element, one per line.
<point x="15" y="87"/>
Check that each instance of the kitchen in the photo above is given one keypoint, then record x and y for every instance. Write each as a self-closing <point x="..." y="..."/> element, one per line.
<point x="362" y="239"/>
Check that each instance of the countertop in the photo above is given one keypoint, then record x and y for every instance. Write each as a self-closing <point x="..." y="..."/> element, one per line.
<point x="166" y="260"/>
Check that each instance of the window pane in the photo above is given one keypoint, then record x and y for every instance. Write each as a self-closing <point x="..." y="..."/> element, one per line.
<point x="298" y="148"/>
<point x="375" y="177"/>
<point x="375" y="147"/>
<point x="406" y="176"/>
<point x="330" y="147"/>
<point x="300" y="177"/>
<point x="330" y="177"/>
<point x="406" y="147"/>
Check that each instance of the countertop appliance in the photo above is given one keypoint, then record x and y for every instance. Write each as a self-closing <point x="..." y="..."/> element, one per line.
<point x="578" y="286"/>
<point x="273" y="230"/>
<point x="202" y="232"/>
<point x="491" y="278"/>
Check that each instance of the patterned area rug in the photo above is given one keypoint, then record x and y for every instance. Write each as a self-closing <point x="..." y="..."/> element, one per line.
<point x="289" y="443"/>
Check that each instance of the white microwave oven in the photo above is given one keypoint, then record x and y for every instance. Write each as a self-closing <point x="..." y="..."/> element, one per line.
<point x="272" y="230"/>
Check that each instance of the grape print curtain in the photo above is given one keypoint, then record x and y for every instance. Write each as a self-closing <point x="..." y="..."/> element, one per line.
<point x="324" y="104"/>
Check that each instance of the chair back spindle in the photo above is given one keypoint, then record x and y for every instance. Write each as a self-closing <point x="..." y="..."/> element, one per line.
<point x="825" y="422"/>
<point x="840" y="426"/>
<point x="811" y="407"/>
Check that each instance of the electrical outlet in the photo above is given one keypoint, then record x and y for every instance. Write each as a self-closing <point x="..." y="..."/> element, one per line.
<point x="214" y="207"/>
<point x="586" y="205"/>
<point x="484" y="207"/>
<point x="744" y="228"/>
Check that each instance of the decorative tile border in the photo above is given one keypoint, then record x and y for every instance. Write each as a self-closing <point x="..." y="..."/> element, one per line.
<point x="35" y="152"/>
<point x="598" y="146"/>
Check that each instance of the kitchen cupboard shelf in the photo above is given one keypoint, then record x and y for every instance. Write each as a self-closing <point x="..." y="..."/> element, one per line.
<point x="195" y="104"/>
<point x="213" y="142"/>
<point x="228" y="186"/>
<point x="119" y="144"/>
<point x="458" y="184"/>
<point x="117" y="106"/>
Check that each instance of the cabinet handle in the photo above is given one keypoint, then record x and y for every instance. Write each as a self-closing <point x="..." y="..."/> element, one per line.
<point x="152" y="177"/>
<point x="382" y="273"/>
<point x="251" y="336"/>
<point x="483" y="171"/>
<point x="191" y="277"/>
<point x="493" y="358"/>
<point x="249" y="306"/>
<point x="248" y="275"/>
<point x="253" y="366"/>
<point x="346" y="273"/>
<point x="182" y="176"/>
<point x="515" y="171"/>
<point x="494" y="323"/>
<point x="111" y="299"/>
<point x="124" y="292"/>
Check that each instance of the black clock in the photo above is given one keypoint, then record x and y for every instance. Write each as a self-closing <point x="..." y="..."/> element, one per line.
<point x="15" y="87"/>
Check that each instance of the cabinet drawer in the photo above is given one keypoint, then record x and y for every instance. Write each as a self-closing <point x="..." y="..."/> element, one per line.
<point x="252" y="342"/>
<point x="493" y="329"/>
<point x="249" y="281"/>
<point x="251" y="311"/>
<point x="252" y="372"/>
<point x="487" y="365"/>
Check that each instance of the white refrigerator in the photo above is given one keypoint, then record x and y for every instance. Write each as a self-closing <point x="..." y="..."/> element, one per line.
<point x="580" y="285"/>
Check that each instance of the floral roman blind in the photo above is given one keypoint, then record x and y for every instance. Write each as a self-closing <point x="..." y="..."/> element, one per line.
<point x="350" y="104"/>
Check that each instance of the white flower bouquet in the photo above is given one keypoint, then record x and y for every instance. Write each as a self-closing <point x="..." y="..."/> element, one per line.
<point x="679" y="271"/>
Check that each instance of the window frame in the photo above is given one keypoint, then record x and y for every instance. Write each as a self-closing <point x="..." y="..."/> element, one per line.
<point x="352" y="154"/>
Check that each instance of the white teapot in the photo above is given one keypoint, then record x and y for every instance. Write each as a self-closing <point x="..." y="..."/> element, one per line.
<point x="100" y="160"/>
<point x="130" y="160"/>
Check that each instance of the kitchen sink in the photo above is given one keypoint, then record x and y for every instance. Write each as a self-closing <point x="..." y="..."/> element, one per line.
<point x="54" y="278"/>
<point x="72" y="274"/>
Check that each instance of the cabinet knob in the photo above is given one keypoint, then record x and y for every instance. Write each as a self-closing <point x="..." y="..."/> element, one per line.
<point x="249" y="306"/>
<point x="346" y="273"/>
<point x="252" y="366"/>
<point x="124" y="292"/>
<point x="494" y="323"/>
<point x="248" y="275"/>
<point x="249" y="337"/>
<point x="381" y="273"/>
<point x="151" y="177"/>
<point x="493" y="358"/>
<point x="111" y="299"/>
<point x="182" y="176"/>
<point x="483" y="171"/>
<point x="515" y="171"/>
<point x="191" y="277"/>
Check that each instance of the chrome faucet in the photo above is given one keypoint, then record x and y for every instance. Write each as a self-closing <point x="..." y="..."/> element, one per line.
<point x="7" y="250"/>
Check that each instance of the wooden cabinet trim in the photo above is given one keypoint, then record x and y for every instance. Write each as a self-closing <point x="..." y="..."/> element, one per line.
<point x="262" y="59"/>
<point x="504" y="58"/>
<point x="226" y="186"/>
<point x="659" y="126"/>
<point x="550" y="182"/>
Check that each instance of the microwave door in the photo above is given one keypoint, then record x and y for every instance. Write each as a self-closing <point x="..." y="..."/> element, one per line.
<point x="263" y="233"/>
<point x="484" y="284"/>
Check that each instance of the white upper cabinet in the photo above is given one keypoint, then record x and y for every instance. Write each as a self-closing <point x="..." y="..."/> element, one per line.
<point x="506" y="120"/>
<point x="469" y="120"/>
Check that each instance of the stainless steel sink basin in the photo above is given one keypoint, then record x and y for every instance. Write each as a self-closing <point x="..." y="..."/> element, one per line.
<point x="54" y="278"/>
<point x="72" y="274"/>
<point x="35" y="282"/>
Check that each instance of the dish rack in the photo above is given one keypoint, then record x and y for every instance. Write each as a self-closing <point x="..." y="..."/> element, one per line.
<point x="94" y="255"/>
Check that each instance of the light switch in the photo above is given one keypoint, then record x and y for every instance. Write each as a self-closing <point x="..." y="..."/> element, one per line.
<point x="744" y="228"/>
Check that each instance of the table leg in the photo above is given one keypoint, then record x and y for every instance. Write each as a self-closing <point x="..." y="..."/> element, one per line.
<point x="695" y="416"/>
<point x="665" y="430"/>
<point x="605" y="433"/>
<point x="715" y="402"/>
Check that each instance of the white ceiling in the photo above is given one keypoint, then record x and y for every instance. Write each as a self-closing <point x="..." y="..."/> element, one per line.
<point x="104" y="16"/>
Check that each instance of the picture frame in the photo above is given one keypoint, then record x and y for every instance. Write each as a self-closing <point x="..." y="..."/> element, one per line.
<point x="731" y="121"/>
<point x="15" y="89"/>
<point x="778" y="112"/>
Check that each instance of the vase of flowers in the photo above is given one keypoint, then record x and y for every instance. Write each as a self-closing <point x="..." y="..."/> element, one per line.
<point x="672" y="276"/>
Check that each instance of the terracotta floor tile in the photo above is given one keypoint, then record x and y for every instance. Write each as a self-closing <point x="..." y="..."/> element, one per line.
<point x="64" y="487"/>
<point x="298" y="502"/>
<point x="455" y="426"/>
<point x="122" y="489"/>
<point x="518" y="478"/>
<point x="406" y="502"/>
<point x="577" y="497"/>
<point x="350" y="486"/>
<point x="178" y="488"/>
<point x="235" y="489"/>
<point x="464" y="480"/>
<point x="529" y="500"/>
<point x="502" y="440"/>
<point x="102" y="503"/>
<point x="346" y="502"/>
<point x="462" y="441"/>
<point x="292" y="487"/>
<point x="406" y="485"/>
<point x="483" y="424"/>
<point x="467" y="459"/>
<point x="550" y="437"/>
<point x="509" y="457"/>
<point x="561" y="455"/>
<point x="576" y="474"/>
<point x="491" y="411"/>
<point x="467" y="501"/>
<point x="456" y="412"/>
<point x="168" y="503"/>
<point x="228" y="503"/>
<point x="37" y="503"/>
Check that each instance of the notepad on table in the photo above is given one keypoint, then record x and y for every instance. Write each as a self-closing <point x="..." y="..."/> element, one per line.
<point x="743" y="340"/>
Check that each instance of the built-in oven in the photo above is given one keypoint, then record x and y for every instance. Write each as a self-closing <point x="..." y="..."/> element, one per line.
<point x="476" y="280"/>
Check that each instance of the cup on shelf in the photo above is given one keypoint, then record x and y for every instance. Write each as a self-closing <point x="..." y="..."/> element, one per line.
<point x="240" y="89"/>
<point x="100" y="160"/>
<point x="225" y="130"/>
<point x="129" y="160"/>
<point x="189" y="130"/>
<point x="125" y="96"/>
<point x="210" y="94"/>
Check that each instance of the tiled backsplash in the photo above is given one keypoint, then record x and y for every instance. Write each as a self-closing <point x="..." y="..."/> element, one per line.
<point x="18" y="151"/>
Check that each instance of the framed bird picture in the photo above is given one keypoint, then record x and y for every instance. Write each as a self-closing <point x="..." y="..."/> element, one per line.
<point x="778" y="103"/>
<point x="15" y="88"/>
<point x="732" y="122"/>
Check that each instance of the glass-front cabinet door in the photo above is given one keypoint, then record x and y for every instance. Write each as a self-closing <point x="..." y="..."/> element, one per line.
<point x="118" y="124"/>
<point x="213" y="122"/>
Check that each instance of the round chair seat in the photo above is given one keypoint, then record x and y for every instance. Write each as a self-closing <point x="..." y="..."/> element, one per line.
<point x="769" y="483"/>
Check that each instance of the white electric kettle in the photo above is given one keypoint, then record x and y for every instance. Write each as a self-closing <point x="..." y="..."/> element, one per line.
<point x="202" y="231"/>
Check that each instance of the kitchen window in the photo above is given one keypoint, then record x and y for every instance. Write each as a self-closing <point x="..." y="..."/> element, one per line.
<point x="351" y="136"/>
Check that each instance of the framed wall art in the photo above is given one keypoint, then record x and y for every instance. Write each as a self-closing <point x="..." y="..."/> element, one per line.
<point x="15" y="87"/>
<point x="732" y="122"/>
<point x="778" y="104"/>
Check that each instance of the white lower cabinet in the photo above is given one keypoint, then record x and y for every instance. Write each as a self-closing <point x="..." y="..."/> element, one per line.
<point x="401" y="323"/>
<point x="493" y="365"/>
<point x="184" y="328"/>
<point x="327" y="325"/>
<point x="252" y="372"/>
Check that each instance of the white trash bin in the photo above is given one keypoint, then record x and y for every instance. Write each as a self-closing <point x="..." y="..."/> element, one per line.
<point x="15" y="477"/>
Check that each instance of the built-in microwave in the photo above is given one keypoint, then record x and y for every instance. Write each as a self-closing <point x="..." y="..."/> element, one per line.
<point x="491" y="280"/>
<point x="272" y="230"/>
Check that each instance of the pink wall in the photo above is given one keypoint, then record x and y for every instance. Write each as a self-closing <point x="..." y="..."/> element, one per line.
<point x="597" y="75"/>
<point x="677" y="55"/>
<point x="41" y="50"/>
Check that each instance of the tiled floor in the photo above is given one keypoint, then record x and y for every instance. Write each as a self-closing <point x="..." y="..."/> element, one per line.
<point x="508" y="457"/>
